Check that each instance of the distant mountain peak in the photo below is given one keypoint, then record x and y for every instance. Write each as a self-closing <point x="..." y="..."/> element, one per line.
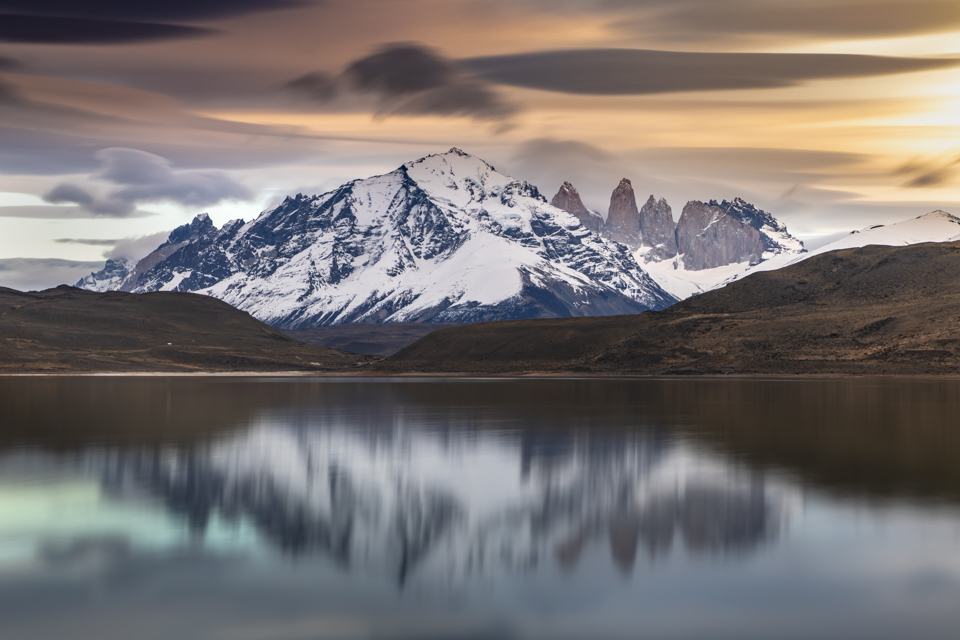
<point x="623" y="216"/>
<point x="568" y="199"/>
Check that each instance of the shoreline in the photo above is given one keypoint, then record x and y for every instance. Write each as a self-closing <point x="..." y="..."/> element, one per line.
<point x="359" y="375"/>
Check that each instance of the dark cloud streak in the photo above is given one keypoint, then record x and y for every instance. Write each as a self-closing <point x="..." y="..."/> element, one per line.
<point x="66" y="193"/>
<point x="641" y="71"/>
<point x="922" y="174"/>
<point x="118" y="22"/>
<point x="409" y="79"/>
<point x="70" y="30"/>
<point x="144" y="10"/>
<point x="400" y="69"/>
<point x="93" y="242"/>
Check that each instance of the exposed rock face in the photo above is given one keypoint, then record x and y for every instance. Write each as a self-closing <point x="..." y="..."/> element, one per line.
<point x="773" y="233"/>
<point x="623" y="218"/>
<point x="708" y="237"/>
<point x="657" y="229"/>
<point x="568" y="199"/>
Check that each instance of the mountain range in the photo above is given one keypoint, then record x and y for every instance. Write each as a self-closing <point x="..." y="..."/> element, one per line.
<point x="442" y="239"/>
<point x="448" y="239"/>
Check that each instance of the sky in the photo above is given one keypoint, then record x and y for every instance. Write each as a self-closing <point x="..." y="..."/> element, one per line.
<point x="120" y="121"/>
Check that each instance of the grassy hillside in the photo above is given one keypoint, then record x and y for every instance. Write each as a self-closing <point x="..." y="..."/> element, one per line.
<point x="67" y="329"/>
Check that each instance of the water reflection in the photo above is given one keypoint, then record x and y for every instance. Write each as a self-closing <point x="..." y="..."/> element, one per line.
<point x="229" y="509"/>
<point x="392" y="499"/>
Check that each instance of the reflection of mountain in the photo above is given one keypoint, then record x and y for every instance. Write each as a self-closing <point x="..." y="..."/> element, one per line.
<point x="452" y="504"/>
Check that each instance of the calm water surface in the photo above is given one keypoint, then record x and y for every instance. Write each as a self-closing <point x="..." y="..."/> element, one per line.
<point x="226" y="508"/>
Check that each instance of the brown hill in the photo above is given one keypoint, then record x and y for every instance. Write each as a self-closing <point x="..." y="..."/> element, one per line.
<point x="875" y="310"/>
<point x="72" y="330"/>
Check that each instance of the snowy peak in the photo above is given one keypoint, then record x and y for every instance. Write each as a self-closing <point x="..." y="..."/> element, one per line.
<point x="201" y="226"/>
<point x="108" y="278"/>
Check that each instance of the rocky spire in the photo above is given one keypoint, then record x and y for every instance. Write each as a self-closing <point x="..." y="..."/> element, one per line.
<point x="568" y="199"/>
<point x="657" y="229"/>
<point x="623" y="217"/>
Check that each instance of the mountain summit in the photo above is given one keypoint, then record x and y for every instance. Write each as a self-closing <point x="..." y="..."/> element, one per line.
<point x="445" y="238"/>
<point x="568" y="199"/>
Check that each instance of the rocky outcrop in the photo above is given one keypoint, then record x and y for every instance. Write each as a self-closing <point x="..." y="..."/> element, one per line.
<point x="657" y="229"/>
<point x="568" y="199"/>
<point x="773" y="233"/>
<point x="707" y="237"/>
<point x="623" y="217"/>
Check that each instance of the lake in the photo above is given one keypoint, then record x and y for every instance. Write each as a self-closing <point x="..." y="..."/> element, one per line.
<point x="293" y="508"/>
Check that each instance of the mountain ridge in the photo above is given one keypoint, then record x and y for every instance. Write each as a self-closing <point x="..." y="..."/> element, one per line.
<point x="444" y="238"/>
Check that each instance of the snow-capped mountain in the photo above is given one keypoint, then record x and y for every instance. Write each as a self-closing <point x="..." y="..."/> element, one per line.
<point x="442" y="239"/>
<point x="711" y="243"/>
<point x="108" y="278"/>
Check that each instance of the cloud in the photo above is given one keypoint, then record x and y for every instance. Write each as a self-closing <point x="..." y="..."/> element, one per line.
<point x="116" y="21"/>
<point x="463" y="98"/>
<point x="548" y="163"/>
<point x="145" y="177"/>
<point x="69" y="30"/>
<point x="87" y="241"/>
<point x="145" y="11"/>
<point x="805" y="18"/>
<point x="317" y="85"/>
<point x="132" y="248"/>
<point x="640" y="71"/>
<point x="136" y="247"/>
<point x="54" y="212"/>
<point x="69" y="193"/>
<point x="409" y="79"/>
<point x="922" y="173"/>
<point x="27" y="152"/>
<point x="399" y="69"/>
<point x="35" y="274"/>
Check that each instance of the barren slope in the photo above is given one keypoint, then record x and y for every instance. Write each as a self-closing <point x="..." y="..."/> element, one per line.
<point x="67" y="329"/>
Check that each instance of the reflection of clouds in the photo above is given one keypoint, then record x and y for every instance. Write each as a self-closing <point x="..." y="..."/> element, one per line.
<point x="411" y="501"/>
